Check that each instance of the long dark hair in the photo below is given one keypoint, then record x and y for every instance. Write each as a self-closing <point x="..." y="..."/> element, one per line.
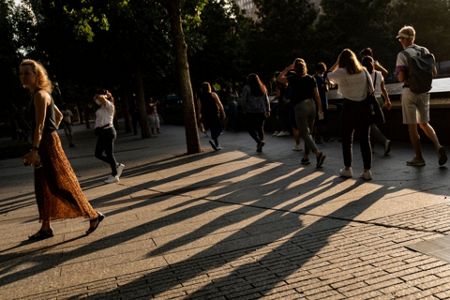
<point x="367" y="62"/>
<point x="257" y="88"/>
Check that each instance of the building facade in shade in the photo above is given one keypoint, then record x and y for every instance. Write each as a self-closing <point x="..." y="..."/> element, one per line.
<point x="250" y="8"/>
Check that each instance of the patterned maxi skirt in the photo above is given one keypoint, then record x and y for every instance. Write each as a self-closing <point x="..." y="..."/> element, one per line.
<point x="58" y="193"/>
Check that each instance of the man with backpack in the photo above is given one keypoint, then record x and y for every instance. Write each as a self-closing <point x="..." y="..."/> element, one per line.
<point x="415" y="67"/>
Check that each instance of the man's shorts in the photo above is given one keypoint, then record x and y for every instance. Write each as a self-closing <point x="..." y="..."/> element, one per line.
<point x="415" y="107"/>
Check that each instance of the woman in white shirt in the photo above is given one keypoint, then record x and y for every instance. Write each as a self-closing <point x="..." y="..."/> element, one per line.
<point x="106" y="133"/>
<point x="382" y="97"/>
<point x="353" y="82"/>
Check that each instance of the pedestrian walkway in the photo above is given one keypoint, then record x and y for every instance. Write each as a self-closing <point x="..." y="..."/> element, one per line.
<point x="232" y="224"/>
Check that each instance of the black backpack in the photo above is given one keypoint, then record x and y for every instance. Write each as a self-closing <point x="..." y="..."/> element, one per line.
<point x="420" y="69"/>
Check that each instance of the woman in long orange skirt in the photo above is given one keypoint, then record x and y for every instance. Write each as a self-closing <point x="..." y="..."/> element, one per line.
<point x="58" y="193"/>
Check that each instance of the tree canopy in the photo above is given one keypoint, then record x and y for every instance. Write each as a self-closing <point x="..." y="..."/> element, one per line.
<point x="128" y="45"/>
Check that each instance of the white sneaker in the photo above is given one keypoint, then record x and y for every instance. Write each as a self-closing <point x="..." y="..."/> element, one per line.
<point x="275" y="133"/>
<point x="297" y="148"/>
<point x="112" y="179"/>
<point x="346" y="173"/>
<point x="283" y="133"/>
<point x="119" y="168"/>
<point x="366" y="175"/>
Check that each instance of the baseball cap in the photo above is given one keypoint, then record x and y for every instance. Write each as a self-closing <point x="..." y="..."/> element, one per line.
<point x="406" y="32"/>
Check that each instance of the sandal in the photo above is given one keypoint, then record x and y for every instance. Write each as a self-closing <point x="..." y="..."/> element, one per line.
<point x="41" y="235"/>
<point x="320" y="160"/>
<point x="94" y="223"/>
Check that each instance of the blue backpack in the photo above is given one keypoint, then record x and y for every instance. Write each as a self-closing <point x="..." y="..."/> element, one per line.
<point x="420" y="69"/>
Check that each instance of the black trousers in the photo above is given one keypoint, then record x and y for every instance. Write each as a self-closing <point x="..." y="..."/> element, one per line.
<point x="355" y="117"/>
<point x="104" y="149"/>
<point x="255" y="126"/>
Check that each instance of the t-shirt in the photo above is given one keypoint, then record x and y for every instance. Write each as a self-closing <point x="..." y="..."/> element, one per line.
<point x="104" y="115"/>
<point x="351" y="86"/>
<point x="402" y="61"/>
<point x="301" y="87"/>
<point x="322" y="87"/>
<point x="377" y="80"/>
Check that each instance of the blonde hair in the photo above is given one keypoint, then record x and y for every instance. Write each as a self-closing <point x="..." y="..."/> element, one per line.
<point x="42" y="81"/>
<point x="407" y="32"/>
<point x="348" y="60"/>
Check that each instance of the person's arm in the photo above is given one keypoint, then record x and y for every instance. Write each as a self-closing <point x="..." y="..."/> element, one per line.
<point x="318" y="101"/>
<point x="219" y="106"/>
<point x="41" y="100"/>
<point x="282" y="78"/>
<point x="267" y="105"/>
<point x="380" y="68"/>
<point x="58" y="116"/>
<point x="387" y="101"/>
<point x="101" y="99"/>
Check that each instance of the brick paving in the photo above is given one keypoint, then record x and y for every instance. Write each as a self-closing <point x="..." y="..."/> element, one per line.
<point x="232" y="225"/>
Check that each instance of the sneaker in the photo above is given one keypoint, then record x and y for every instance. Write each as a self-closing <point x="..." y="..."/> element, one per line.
<point x="283" y="133"/>
<point x="320" y="160"/>
<point x="112" y="179"/>
<point x="366" y="175"/>
<point x="346" y="173"/>
<point x="305" y="161"/>
<point x="297" y="148"/>
<point x="442" y="156"/>
<point x="416" y="162"/>
<point x="387" y="147"/>
<point x="275" y="133"/>
<point x="213" y="145"/>
<point x="120" y="169"/>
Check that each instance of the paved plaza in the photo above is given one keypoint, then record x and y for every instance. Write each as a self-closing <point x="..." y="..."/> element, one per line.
<point x="232" y="224"/>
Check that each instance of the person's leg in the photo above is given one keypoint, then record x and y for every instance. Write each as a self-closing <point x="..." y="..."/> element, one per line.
<point x="109" y="149"/>
<point x="303" y="112"/>
<point x="252" y="126"/>
<point x="415" y="141"/>
<point x="431" y="134"/>
<point x="100" y="148"/>
<point x="260" y="126"/>
<point x="347" y="134"/>
<point x="364" y="143"/>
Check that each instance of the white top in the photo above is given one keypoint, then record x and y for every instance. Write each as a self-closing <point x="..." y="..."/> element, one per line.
<point x="104" y="115"/>
<point x="351" y="86"/>
<point x="379" y="80"/>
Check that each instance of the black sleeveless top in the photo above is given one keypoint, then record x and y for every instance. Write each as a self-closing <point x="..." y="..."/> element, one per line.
<point x="50" y="120"/>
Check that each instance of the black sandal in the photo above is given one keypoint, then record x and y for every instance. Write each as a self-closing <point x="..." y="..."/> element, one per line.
<point x="94" y="223"/>
<point x="41" y="235"/>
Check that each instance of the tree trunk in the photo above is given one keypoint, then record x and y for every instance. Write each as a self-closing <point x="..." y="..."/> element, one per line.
<point x="182" y="67"/>
<point x="141" y="105"/>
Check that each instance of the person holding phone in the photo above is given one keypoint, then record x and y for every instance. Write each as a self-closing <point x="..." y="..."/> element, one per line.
<point x="304" y="97"/>
<point x="106" y="134"/>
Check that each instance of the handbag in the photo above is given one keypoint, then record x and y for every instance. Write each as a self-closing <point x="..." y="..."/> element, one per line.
<point x="376" y="115"/>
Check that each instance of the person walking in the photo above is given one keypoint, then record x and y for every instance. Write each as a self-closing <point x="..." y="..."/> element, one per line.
<point x="322" y="86"/>
<point x="304" y="94"/>
<point x="256" y="108"/>
<point x="106" y="134"/>
<point x="212" y="113"/>
<point x="354" y="83"/>
<point x="382" y="97"/>
<point x="58" y="192"/>
<point x="415" y="106"/>
<point x="67" y="124"/>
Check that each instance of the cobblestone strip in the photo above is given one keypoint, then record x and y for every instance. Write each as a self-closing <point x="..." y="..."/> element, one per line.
<point x="359" y="261"/>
